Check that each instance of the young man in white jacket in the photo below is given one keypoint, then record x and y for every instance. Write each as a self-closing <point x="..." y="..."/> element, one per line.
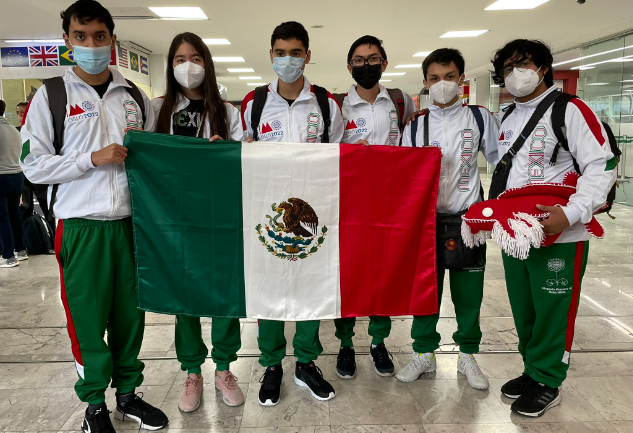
<point x="461" y="132"/>
<point x="544" y="289"/>
<point x="370" y="117"/>
<point x="94" y="238"/>
<point x="291" y="113"/>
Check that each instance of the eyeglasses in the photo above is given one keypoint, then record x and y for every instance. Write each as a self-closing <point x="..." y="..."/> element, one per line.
<point x="359" y="62"/>
<point x="523" y="64"/>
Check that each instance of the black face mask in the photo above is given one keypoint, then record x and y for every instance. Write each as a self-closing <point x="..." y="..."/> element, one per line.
<point x="367" y="76"/>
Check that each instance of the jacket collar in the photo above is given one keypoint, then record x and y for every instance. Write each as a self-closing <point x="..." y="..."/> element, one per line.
<point x="306" y="92"/>
<point x="355" y="99"/>
<point x="449" y="111"/>
<point x="117" y="78"/>
<point x="534" y="102"/>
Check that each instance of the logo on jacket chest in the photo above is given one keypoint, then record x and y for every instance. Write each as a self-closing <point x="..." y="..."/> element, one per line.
<point x="82" y="111"/>
<point x="504" y="137"/>
<point x="268" y="130"/>
<point x="355" y="126"/>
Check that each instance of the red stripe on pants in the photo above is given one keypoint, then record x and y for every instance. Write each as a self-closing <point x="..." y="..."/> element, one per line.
<point x="575" y="294"/>
<point x="69" y="319"/>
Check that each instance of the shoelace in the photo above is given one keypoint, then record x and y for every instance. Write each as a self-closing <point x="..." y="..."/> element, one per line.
<point x="419" y="362"/>
<point x="318" y="374"/>
<point x="191" y="386"/>
<point x="142" y="405"/>
<point x="269" y="379"/>
<point x="346" y="354"/>
<point x="230" y="381"/>
<point x="102" y="418"/>
<point x="473" y="364"/>
<point x="383" y="354"/>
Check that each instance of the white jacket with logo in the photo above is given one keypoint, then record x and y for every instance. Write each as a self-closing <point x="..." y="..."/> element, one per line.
<point x="454" y="129"/>
<point x="92" y="123"/>
<point x="236" y="126"/>
<point x="588" y="143"/>
<point x="377" y="123"/>
<point x="301" y="122"/>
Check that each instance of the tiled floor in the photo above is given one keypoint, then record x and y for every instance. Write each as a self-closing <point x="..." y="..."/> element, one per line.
<point x="37" y="373"/>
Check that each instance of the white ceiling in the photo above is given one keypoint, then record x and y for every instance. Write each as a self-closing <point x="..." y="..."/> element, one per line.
<point x="405" y="26"/>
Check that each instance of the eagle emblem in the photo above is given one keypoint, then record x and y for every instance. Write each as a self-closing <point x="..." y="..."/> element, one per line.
<point x="297" y="235"/>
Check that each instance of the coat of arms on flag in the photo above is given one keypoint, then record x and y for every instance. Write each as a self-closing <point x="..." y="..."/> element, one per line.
<point x="44" y="56"/>
<point x="133" y="61"/>
<point x="14" y="57"/>
<point x="144" y="65"/>
<point x="123" y="60"/>
<point x="66" y="57"/>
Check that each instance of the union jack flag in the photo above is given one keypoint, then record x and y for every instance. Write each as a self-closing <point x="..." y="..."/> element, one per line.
<point x="44" y="56"/>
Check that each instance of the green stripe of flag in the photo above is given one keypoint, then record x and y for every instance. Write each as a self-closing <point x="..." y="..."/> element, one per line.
<point x="189" y="253"/>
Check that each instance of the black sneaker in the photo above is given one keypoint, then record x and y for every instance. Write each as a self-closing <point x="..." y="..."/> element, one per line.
<point x="515" y="387"/>
<point x="271" y="382"/>
<point x="536" y="400"/>
<point x="382" y="360"/>
<point x="346" y="363"/>
<point x="97" y="420"/>
<point x="131" y="407"/>
<point x="309" y="376"/>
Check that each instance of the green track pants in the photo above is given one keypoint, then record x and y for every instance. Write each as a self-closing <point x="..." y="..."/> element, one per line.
<point x="272" y="341"/>
<point x="379" y="329"/>
<point x="98" y="291"/>
<point x="544" y="292"/>
<point x="467" y="290"/>
<point x="191" y="350"/>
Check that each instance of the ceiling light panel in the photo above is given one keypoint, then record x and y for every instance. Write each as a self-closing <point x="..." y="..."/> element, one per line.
<point x="179" y="13"/>
<point x="417" y="65"/>
<point x="464" y="34"/>
<point x="392" y="74"/>
<point x="504" y="5"/>
<point x="250" y="78"/>
<point x="216" y="42"/>
<point x="241" y="70"/>
<point x="228" y="59"/>
<point x="422" y="53"/>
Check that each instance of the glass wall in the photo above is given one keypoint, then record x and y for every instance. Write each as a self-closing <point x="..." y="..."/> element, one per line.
<point x="606" y="84"/>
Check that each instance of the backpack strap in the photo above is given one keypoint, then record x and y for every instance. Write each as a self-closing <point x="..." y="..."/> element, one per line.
<point x="560" y="130"/>
<point x="138" y="98"/>
<point x="57" y="101"/>
<point x="397" y="97"/>
<point x="426" y="128"/>
<point x="507" y="111"/>
<point x="259" y="100"/>
<point x="480" y="121"/>
<point x="324" y="105"/>
<point x="414" y="131"/>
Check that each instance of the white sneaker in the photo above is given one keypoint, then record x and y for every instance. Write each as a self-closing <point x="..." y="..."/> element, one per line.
<point x="421" y="363"/>
<point x="21" y="255"/>
<point x="467" y="365"/>
<point x="11" y="262"/>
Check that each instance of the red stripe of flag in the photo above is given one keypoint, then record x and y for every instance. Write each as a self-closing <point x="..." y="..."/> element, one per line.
<point x="387" y="230"/>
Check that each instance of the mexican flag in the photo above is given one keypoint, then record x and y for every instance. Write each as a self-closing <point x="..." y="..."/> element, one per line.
<point x="283" y="231"/>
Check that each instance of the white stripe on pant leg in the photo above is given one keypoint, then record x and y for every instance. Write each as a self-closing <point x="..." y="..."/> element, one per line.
<point x="80" y="369"/>
<point x="566" y="357"/>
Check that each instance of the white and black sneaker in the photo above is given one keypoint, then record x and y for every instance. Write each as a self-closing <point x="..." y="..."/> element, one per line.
<point x="346" y="363"/>
<point x="536" y="399"/>
<point x="131" y="407"/>
<point x="309" y="376"/>
<point x="270" y="391"/>
<point x="515" y="387"/>
<point x="97" y="420"/>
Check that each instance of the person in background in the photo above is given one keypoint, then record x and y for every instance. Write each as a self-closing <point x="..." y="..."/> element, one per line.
<point x="11" y="183"/>
<point x="290" y="103"/>
<point x="193" y="107"/>
<point x="19" y="110"/>
<point x="94" y="244"/>
<point x="461" y="132"/>
<point x="370" y="116"/>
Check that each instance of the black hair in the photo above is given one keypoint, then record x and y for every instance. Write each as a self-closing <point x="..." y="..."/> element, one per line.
<point x="290" y="30"/>
<point x="3" y="106"/>
<point x="519" y="50"/>
<point x="444" y="56"/>
<point x="85" y="11"/>
<point x="366" y="40"/>
<point x="22" y="104"/>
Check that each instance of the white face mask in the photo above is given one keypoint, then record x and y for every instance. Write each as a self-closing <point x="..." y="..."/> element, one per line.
<point x="189" y="75"/>
<point x="522" y="82"/>
<point x="443" y="92"/>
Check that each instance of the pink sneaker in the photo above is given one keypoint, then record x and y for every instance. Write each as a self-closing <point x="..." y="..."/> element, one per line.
<point x="190" y="396"/>
<point x="231" y="392"/>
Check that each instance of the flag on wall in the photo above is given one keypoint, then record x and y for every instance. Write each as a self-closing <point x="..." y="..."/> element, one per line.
<point x="133" y="61"/>
<point x="123" y="60"/>
<point x="144" y="65"/>
<point x="283" y="231"/>
<point x="44" y="56"/>
<point x="14" y="57"/>
<point x="66" y="56"/>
